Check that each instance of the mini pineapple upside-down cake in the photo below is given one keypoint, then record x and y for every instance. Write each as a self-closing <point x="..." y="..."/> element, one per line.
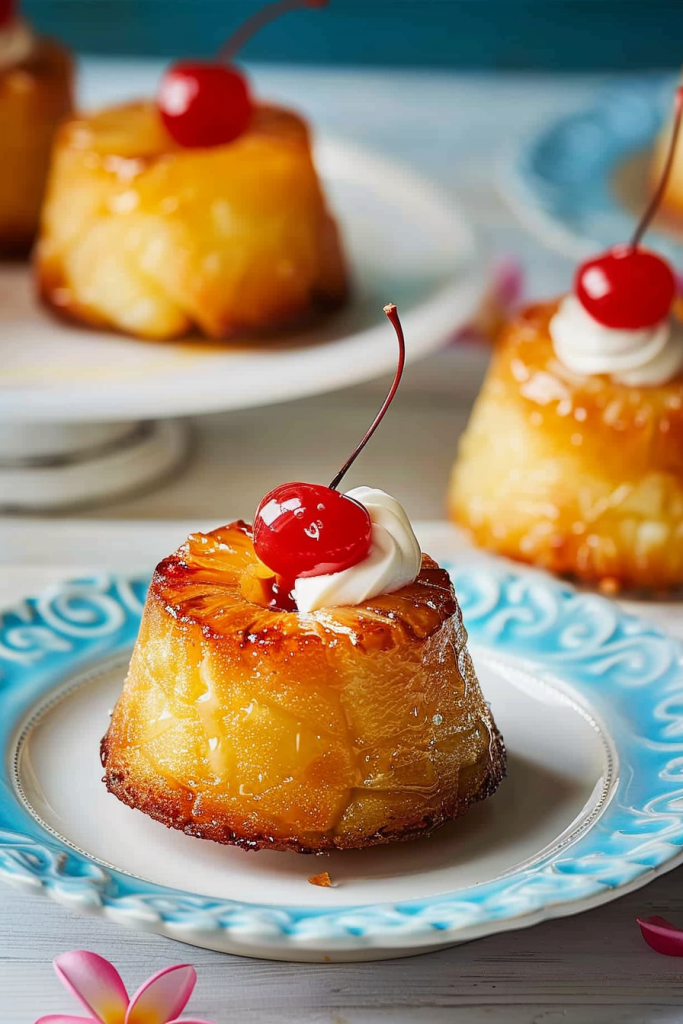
<point x="304" y="684"/>
<point x="199" y="212"/>
<point x="35" y="93"/>
<point x="573" y="457"/>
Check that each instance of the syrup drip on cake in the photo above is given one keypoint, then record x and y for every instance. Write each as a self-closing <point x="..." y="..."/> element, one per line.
<point x="209" y="103"/>
<point x="618" y="321"/>
<point x="354" y="545"/>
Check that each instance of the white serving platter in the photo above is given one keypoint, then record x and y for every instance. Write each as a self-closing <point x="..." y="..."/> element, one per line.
<point x="407" y="242"/>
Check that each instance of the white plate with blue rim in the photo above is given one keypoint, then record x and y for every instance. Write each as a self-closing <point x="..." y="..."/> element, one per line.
<point x="579" y="181"/>
<point x="589" y="699"/>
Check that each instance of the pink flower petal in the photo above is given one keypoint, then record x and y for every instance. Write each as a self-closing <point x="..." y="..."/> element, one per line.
<point x="163" y="996"/>
<point x="662" y="936"/>
<point x="59" y="1018"/>
<point x="97" y="984"/>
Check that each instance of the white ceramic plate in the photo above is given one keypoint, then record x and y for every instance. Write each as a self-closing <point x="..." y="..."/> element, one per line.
<point x="407" y="243"/>
<point x="590" y="702"/>
<point x="562" y="768"/>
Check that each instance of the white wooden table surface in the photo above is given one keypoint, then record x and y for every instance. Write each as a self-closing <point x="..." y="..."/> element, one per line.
<point x="588" y="969"/>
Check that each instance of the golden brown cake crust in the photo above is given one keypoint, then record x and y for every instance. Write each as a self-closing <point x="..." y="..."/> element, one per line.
<point x="267" y="729"/>
<point x="578" y="474"/>
<point x="176" y="809"/>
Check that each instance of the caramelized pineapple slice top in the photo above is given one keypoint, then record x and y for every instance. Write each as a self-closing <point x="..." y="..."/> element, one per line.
<point x="206" y="582"/>
<point x="625" y="428"/>
<point x="136" y="131"/>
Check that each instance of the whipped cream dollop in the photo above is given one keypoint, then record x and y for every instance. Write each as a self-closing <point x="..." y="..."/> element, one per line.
<point x="640" y="358"/>
<point x="394" y="560"/>
<point x="16" y="43"/>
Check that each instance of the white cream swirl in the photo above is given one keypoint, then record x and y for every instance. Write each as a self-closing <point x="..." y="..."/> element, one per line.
<point x="16" y="43"/>
<point x="640" y="358"/>
<point x="393" y="562"/>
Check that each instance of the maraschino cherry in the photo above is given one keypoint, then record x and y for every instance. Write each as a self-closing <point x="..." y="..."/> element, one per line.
<point x="208" y="103"/>
<point x="627" y="287"/>
<point x="311" y="530"/>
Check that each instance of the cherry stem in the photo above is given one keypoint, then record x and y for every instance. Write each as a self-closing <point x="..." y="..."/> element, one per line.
<point x="259" y="20"/>
<point x="666" y="172"/>
<point x="392" y="314"/>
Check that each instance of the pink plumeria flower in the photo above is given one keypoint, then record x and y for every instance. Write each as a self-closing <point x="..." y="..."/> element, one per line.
<point x="98" y="985"/>
<point x="661" y="935"/>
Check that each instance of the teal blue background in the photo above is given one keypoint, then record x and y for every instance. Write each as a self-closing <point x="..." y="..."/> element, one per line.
<point x="467" y="34"/>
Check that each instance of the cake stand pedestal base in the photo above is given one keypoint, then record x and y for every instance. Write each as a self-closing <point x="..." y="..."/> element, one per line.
<point x="49" y="467"/>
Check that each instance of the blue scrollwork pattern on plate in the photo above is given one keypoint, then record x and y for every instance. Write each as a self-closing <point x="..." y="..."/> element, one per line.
<point x="619" y="664"/>
<point x="64" y="616"/>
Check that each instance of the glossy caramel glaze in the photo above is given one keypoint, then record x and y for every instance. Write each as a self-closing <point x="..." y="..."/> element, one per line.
<point x="34" y="96"/>
<point x="270" y="729"/>
<point x="577" y="474"/>
<point x="148" y="238"/>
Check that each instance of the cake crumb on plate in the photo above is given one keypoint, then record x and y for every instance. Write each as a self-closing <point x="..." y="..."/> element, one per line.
<point x="322" y="879"/>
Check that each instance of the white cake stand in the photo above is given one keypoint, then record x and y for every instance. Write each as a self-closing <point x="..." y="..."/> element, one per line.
<point x="86" y="416"/>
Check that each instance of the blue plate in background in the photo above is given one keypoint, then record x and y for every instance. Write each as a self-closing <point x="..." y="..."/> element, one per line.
<point x="561" y="182"/>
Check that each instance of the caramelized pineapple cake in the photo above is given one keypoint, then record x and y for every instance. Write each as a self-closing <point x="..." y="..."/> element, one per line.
<point x="198" y="211"/>
<point x="35" y="93"/>
<point x="573" y="458"/>
<point x="154" y="239"/>
<point x="270" y="729"/>
<point x="306" y="685"/>
<point x="576" y="473"/>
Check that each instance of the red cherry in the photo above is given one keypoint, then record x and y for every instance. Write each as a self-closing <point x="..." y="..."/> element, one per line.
<point x="310" y="530"/>
<point x="626" y="288"/>
<point x="204" y="104"/>
<point x="208" y="104"/>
